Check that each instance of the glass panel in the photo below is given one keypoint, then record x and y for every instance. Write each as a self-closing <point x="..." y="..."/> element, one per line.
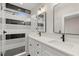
<point x="14" y="48"/>
<point x="27" y="23"/>
<point x="15" y="51"/>
<point x="11" y="21"/>
<point x="15" y="36"/>
<point x="0" y="42"/>
<point x="8" y="5"/>
<point x="0" y="31"/>
<point x="41" y="22"/>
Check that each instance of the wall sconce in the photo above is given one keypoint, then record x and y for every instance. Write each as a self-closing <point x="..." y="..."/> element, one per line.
<point x="42" y="9"/>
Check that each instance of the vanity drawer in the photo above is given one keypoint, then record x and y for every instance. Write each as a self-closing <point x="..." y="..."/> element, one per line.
<point x="31" y="47"/>
<point x="37" y="45"/>
<point x="31" y="44"/>
<point x="38" y="52"/>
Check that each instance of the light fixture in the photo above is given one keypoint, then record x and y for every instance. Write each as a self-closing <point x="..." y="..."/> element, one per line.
<point x="42" y="9"/>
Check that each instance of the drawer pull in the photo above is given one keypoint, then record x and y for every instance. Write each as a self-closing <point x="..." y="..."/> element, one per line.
<point x="30" y="44"/>
<point x="37" y="44"/>
<point x="37" y="52"/>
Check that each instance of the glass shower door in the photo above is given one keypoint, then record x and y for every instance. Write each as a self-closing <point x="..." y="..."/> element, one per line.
<point x="0" y="37"/>
<point x="0" y="31"/>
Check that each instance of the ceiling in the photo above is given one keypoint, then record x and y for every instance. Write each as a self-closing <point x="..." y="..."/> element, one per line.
<point x="29" y="6"/>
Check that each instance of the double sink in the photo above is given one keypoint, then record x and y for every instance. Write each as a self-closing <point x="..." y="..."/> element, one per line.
<point x="57" y="42"/>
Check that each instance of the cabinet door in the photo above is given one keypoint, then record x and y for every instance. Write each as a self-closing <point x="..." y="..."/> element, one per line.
<point x="37" y="45"/>
<point x="34" y="47"/>
<point x="31" y="47"/>
<point x="38" y="52"/>
<point x="38" y="48"/>
<point x="1" y="30"/>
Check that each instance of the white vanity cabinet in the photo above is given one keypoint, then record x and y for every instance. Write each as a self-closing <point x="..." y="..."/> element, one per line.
<point x="34" y="47"/>
<point x="38" y="48"/>
<point x="31" y="47"/>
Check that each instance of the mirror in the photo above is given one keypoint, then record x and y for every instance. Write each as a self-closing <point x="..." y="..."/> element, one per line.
<point x="66" y="18"/>
<point x="71" y="24"/>
<point x="41" y="22"/>
<point x="57" y="21"/>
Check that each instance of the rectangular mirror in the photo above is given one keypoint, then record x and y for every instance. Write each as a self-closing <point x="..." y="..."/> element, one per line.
<point x="71" y="24"/>
<point x="66" y="18"/>
<point x="41" y="22"/>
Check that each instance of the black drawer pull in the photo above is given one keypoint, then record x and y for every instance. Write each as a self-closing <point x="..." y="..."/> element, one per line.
<point x="37" y="52"/>
<point x="37" y="44"/>
<point x="4" y="32"/>
<point x="30" y="44"/>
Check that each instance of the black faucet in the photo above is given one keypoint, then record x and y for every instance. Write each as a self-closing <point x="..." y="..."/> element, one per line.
<point x="63" y="37"/>
<point x="39" y="33"/>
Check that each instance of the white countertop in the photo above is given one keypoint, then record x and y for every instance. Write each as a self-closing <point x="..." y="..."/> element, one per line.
<point x="67" y="47"/>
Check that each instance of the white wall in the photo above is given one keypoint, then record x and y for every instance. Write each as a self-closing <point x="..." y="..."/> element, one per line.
<point x="34" y="10"/>
<point x="50" y="33"/>
<point x="49" y="18"/>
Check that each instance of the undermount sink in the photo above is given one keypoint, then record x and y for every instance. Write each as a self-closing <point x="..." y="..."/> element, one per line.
<point x="61" y="44"/>
<point x="55" y="41"/>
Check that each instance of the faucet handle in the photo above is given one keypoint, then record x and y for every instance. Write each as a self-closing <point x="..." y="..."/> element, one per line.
<point x="63" y="37"/>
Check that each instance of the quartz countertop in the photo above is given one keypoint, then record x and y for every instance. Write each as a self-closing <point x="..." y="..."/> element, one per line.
<point x="67" y="47"/>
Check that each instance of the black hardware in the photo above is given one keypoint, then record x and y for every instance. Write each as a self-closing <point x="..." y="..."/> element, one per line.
<point x="28" y="55"/>
<point x="37" y="44"/>
<point x="30" y="44"/>
<point x="37" y="52"/>
<point x="39" y="33"/>
<point x="4" y="32"/>
<point x="1" y="54"/>
<point x="63" y="37"/>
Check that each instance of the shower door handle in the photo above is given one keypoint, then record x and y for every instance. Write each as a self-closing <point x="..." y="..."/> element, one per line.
<point x="4" y="32"/>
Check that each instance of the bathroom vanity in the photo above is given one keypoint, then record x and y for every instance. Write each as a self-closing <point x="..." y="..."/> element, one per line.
<point x="65" y="23"/>
<point x="45" y="46"/>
